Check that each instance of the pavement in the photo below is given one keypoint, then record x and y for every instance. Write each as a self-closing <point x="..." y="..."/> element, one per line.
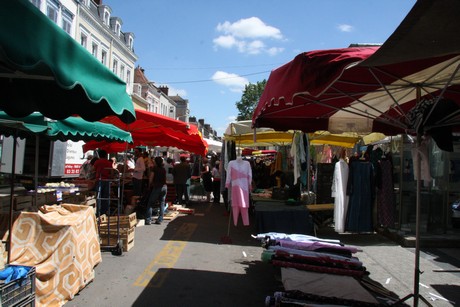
<point x="203" y="260"/>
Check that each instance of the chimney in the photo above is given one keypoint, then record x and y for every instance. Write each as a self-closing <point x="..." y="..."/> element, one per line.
<point x="164" y="89"/>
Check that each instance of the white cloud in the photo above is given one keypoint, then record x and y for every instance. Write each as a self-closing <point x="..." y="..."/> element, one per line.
<point x="225" y="41"/>
<point x="274" y="50"/>
<point x="248" y="36"/>
<point x="345" y="28"/>
<point x="251" y="27"/>
<point x="233" y="82"/>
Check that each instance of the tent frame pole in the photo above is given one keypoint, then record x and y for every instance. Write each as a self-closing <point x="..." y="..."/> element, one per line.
<point x="416" y="295"/>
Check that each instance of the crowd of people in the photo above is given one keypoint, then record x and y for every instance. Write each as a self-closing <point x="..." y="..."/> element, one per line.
<point x="150" y="177"/>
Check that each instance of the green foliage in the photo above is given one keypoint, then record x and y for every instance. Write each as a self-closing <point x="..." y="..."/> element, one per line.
<point x="249" y="99"/>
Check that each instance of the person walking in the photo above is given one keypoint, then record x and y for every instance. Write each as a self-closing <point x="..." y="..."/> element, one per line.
<point x="169" y="168"/>
<point x="138" y="173"/>
<point x="207" y="178"/>
<point x="216" y="182"/>
<point x="181" y="174"/>
<point x="158" y="193"/>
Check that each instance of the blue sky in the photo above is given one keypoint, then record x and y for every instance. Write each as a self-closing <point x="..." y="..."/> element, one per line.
<point x="207" y="50"/>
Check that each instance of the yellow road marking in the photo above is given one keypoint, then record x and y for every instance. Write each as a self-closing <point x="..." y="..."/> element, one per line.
<point x="166" y="258"/>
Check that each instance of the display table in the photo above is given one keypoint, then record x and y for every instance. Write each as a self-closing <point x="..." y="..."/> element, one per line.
<point x="321" y="213"/>
<point x="276" y="216"/>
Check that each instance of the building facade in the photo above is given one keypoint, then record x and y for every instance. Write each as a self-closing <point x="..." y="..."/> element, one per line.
<point x="101" y="33"/>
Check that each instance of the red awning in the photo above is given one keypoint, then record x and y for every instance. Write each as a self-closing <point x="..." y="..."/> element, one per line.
<point x="152" y="129"/>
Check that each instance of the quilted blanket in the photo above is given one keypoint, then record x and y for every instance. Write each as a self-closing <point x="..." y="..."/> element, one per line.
<point x="62" y="243"/>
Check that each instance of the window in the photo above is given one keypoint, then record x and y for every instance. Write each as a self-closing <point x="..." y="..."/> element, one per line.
<point x="37" y="3"/>
<point x="107" y="17"/>
<point x="115" y="67"/>
<point x="117" y="28"/>
<point x="52" y="10"/>
<point x="122" y="72"/>
<point x="128" y="77"/>
<point x="104" y="57"/>
<point x="66" y="25"/>
<point x="130" y="43"/>
<point x="94" y="50"/>
<point x="83" y="40"/>
<point x="67" y="19"/>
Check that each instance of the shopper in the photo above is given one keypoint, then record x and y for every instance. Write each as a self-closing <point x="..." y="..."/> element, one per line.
<point x="181" y="174"/>
<point x="158" y="193"/>
<point x="138" y="173"/>
<point x="207" y="178"/>
<point x="216" y="182"/>
<point x="169" y="167"/>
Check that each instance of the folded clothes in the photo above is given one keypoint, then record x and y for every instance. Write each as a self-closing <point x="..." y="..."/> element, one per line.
<point x="11" y="273"/>
<point x="316" y="258"/>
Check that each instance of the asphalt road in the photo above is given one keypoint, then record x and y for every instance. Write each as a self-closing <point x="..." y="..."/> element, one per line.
<point x="194" y="260"/>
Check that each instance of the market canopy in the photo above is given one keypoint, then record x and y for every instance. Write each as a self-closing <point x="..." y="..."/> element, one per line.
<point x="71" y="128"/>
<point x="43" y="69"/>
<point x="365" y="89"/>
<point x="152" y="129"/>
<point x="244" y="135"/>
<point x="270" y="137"/>
<point x="327" y="138"/>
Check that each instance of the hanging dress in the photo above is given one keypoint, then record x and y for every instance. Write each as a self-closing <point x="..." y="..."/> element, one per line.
<point x="339" y="192"/>
<point x="385" y="195"/>
<point x="238" y="181"/>
<point x="360" y="190"/>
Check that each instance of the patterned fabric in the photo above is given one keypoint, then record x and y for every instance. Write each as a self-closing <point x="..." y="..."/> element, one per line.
<point x="62" y="244"/>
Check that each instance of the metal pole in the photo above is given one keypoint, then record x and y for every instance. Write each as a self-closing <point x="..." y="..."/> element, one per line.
<point x="417" y="226"/>
<point x="13" y="171"/>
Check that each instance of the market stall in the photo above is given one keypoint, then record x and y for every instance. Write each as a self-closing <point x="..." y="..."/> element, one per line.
<point x="70" y="82"/>
<point x="409" y="85"/>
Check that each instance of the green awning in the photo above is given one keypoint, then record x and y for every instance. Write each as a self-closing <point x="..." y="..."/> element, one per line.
<point x="71" y="128"/>
<point x="43" y="69"/>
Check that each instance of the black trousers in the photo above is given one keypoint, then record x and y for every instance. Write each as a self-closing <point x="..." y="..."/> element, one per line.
<point x="216" y="190"/>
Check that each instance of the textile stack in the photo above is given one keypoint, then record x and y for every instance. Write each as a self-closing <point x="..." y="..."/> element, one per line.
<point x="320" y="271"/>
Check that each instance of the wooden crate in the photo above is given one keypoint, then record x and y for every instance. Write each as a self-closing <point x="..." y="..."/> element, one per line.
<point x="126" y="221"/>
<point x="38" y="199"/>
<point x="74" y="198"/>
<point x="51" y="198"/>
<point x="126" y="237"/>
<point x="5" y="203"/>
<point x="171" y="215"/>
<point x="22" y="202"/>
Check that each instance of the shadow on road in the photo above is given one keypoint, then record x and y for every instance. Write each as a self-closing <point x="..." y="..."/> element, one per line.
<point x="179" y="287"/>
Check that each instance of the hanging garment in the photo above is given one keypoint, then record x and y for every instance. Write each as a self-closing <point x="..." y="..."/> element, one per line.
<point x="295" y="152"/>
<point x="425" y="174"/>
<point x="326" y="155"/>
<point x="339" y="192"/>
<point x="385" y="195"/>
<point x="238" y="181"/>
<point x="361" y="194"/>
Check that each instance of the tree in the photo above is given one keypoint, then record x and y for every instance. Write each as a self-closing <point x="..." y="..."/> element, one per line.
<point x="249" y="99"/>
